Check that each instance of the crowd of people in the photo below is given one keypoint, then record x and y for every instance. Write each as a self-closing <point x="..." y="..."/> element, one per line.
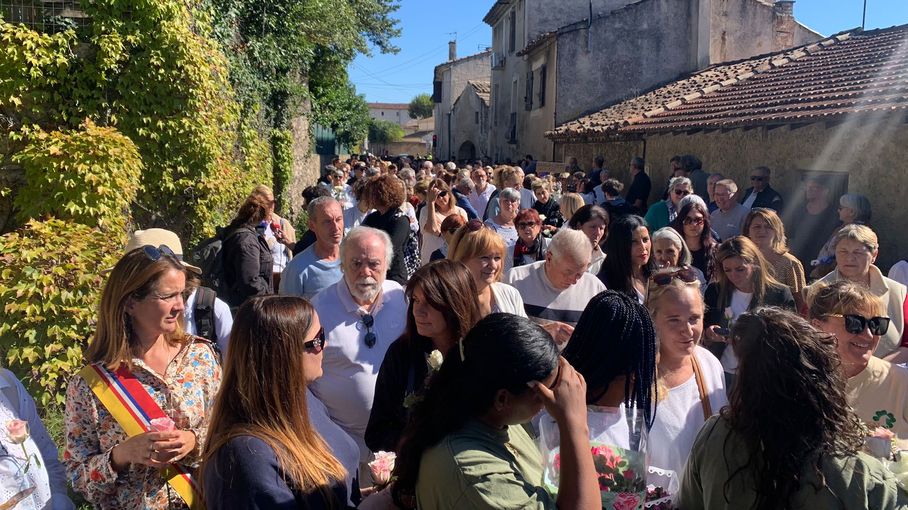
<point x="516" y="340"/>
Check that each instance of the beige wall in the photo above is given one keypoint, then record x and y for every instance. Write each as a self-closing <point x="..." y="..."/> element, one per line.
<point x="872" y="153"/>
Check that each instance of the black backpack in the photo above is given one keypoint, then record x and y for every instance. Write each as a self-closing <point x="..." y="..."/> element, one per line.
<point x="209" y="257"/>
<point x="203" y="315"/>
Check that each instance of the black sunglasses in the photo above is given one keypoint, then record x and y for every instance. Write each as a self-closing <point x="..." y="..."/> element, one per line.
<point x="855" y="324"/>
<point x="368" y="322"/>
<point x="155" y="254"/>
<point x="685" y="274"/>
<point x="442" y="194"/>
<point x="756" y="178"/>
<point x="681" y="192"/>
<point x="316" y="344"/>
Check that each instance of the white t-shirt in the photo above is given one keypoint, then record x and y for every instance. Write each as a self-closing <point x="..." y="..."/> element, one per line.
<point x="343" y="447"/>
<point x="740" y="302"/>
<point x="680" y="415"/>
<point x="280" y="254"/>
<point x="509" y="235"/>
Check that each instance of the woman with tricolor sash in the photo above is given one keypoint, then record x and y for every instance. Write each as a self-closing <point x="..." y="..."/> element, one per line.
<point x="137" y="415"/>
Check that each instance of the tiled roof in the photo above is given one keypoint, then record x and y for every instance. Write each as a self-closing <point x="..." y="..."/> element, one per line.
<point x="851" y="72"/>
<point x="483" y="89"/>
<point x="388" y="106"/>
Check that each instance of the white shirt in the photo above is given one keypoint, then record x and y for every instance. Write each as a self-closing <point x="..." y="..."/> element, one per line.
<point x="680" y="415"/>
<point x="347" y="385"/>
<point x="46" y="473"/>
<point x="507" y="300"/>
<point x="479" y="201"/>
<point x="740" y="301"/>
<point x="749" y="203"/>
<point x="509" y="235"/>
<point x="353" y="217"/>
<point x="223" y="321"/>
<point x="343" y="447"/>
<point x="280" y="254"/>
<point x="527" y="198"/>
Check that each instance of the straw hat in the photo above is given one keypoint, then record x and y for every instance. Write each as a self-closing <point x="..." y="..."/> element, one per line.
<point x="157" y="237"/>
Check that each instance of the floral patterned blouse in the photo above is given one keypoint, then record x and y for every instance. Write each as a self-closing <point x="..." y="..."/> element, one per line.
<point x="185" y="392"/>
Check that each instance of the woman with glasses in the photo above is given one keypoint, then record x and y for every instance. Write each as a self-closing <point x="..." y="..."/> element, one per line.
<point x="483" y="252"/>
<point x="876" y="389"/>
<point x="765" y="229"/>
<point x="503" y="222"/>
<point x="113" y="456"/>
<point x="449" y="227"/>
<point x="743" y="282"/>
<point x="691" y="381"/>
<point x="628" y="264"/>
<point x="694" y="226"/>
<point x="265" y="450"/>
<point x="853" y="209"/>
<point x="531" y="245"/>
<point x="593" y="221"/>
<point x="662" y="213"/>
<point x="788" y="438"/>
<point x="465" y="446"/>
<point x="856" y="249"/>
<point x="442" y="309"/>
<point x="440" y="203"/>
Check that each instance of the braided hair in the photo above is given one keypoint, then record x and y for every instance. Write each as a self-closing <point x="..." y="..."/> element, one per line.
<point x="614" y="338"/>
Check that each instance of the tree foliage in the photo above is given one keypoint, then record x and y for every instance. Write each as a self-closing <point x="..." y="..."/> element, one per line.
<point x="384" y="132"/>
<point x="421" y="107"/>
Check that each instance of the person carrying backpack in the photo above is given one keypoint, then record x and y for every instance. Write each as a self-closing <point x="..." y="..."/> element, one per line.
<point x="205" y="315"/>
<point x="247" y="261"/>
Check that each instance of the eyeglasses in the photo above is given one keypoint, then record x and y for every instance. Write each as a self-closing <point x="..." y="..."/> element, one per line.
<point x="685" y="274"/>
<point x="155" y="254"/>
<point x="855" y="324"/>
<point x="525" y="224"/>
<point x="369" y="321"/>
<point x="316" y="344"/>
<point x="442" y="194"/>
<point x="693" y="221"/>
<point x="681" y="192"/>
<point x="757" y="178"/>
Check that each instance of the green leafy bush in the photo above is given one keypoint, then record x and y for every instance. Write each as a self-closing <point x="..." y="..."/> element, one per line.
<point x="88" y="176"/>
<point x="50" y="287"/>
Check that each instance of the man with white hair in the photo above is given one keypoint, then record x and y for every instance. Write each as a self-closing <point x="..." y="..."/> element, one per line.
<point x="361" y="315"/>
<point x="482" y="189"/>
<point x="729" y="218"/>
<point x="559" y="287"/>
<point x="462" y="188"/>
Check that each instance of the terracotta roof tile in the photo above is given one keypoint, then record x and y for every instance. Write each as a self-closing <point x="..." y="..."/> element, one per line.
<point x="483" y="89"/>
<point x="848" y="73"/>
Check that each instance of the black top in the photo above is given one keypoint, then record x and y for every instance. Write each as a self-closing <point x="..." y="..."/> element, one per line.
<point x="245" y="475"/>
<point x="247" y="265"/>
<point x="807" y="233"/>
<point x="776" y="295"/>
<point x="640" y="190"/>
<point x="768" y="198"/>
<point x="403" y="373"/>
<point x="307" y="240"/>
<point x="396" y="224"/>
<point x="552" y="212"/>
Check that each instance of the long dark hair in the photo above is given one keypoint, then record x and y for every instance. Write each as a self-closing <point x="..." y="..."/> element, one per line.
<point x="251" y="212"/>
<point x="449" y="288"/>
<point x="706" y="238"/>
<point x="617" y="269"/>
<point x="788" y="404"/>
<point x="502" y="351"/>
<point x="615" y="337"/>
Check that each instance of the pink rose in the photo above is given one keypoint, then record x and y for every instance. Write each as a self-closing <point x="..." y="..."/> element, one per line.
<point x="382" y="467"/>
<point x="626" y="501"/>
<point x="17" y="431"/>
<point x="882" y="433"/>
<point x="162" y="424"/>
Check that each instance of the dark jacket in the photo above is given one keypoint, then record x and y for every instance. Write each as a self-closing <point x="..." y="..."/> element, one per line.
<point x="401" y="377"/>
<point x="768" y="198"/>
<point x="464" y="204"/>
<point x="247" y="265"/>
<point x="776" y="295"/>
<point x="618" y="207"/>
<point x="552" y="212"/>
<point x="397" y="226"/>
<point x="246" y="474"/>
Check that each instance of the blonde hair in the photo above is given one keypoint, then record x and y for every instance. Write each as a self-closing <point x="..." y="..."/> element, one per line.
<point x="569" y="204"/>
<point x="263" y="393"/>
<point x="779" y="242"/>
<point x="729" y="185"/>
<point x="743" y="247"/>
<point x="841" y="297"/>
<point x="655" y="293"/>
<point x="468" y="243"/>
<point x="135" y="277"/>
<point x="860" y="233"/>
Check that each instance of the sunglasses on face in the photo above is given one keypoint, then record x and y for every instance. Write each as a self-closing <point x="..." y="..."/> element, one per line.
<point x="526" y="224"/>
<point x="442" y="194"/>
<point x="681" y="192"/>
<point x="756" y="178"/>
<point x="693" y="221"/>
<point x="369" y="321"/>
<point x="855" y="324"/>
<point x="316" y="345"/>
<point x="685" y="274"/>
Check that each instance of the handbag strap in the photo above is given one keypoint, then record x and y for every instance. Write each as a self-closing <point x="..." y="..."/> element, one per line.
<point x="701" y="388"/>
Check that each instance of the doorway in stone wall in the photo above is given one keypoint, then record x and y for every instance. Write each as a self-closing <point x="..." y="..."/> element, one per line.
<point x="466" y="152"/>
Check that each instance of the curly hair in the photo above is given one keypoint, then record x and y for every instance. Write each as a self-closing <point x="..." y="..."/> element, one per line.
<point x="386" y="192"/>
<point x="792" y="369"/>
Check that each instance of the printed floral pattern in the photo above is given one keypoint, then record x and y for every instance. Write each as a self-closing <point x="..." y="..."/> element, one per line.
<point x="185" y="392"/>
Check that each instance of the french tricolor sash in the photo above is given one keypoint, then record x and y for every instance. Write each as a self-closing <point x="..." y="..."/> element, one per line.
<point x="129" y="403"/>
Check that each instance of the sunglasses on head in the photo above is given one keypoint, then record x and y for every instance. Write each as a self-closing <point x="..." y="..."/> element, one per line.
<point x="855" y="324"/>
<point x="155" y="254"/>
<point x="685" y="274"/>
<point x="369" y="321"/>
<point x="316" y="344"/>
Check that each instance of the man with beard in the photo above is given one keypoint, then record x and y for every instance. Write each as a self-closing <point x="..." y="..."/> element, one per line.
<point x="361" y="315"/>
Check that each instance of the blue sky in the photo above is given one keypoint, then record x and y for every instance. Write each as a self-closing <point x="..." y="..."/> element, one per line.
<point x="428" y="25"/>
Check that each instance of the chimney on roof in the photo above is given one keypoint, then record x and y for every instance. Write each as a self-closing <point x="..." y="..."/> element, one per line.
<point x="452" y="50"/>
<point x="784" y="7"/>
<point x="784" y="25"/>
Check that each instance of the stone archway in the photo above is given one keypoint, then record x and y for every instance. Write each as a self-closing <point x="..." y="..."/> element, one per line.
<point x="466" y="152"/>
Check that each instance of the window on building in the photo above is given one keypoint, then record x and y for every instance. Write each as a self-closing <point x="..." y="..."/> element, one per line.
<point x="542" y="79"/>
<point x="496" y="97"/>
<point x="528" y="98"/>
<point x="436" y="91"/>
<point x="512" y="34"/>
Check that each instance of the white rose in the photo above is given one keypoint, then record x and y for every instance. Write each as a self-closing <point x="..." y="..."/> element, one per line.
<point x="435" y="360"/>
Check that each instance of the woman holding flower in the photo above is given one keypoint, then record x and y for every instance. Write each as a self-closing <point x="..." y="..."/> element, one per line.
<point x="139" y="344"/>
<point x="442" y="309"/>
<point x="29" y="468"/>
<point x="265" y="449"/>
<point x="440" y="203"/>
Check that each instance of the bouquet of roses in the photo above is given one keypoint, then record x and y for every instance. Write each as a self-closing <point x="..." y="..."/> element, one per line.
<point x="621" y="474"/>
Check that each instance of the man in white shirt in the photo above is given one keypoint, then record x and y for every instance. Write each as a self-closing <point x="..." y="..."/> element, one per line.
<point x="482" y="190"/>
<point x="318" y="266"/>
<point x="362" y="314"/>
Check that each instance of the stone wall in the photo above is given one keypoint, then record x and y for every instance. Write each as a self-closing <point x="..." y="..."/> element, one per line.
<point x="744" y="28"/>
<point x="466" y="129"/>
<point x="454" y="77"/>
<point x="870" y="153"/>
<point x="306" y="165"/>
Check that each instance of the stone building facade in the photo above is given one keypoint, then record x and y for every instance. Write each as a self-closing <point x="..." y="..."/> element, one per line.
<point x="448" y="83"/>
<point x="470" y="124"/>
<point x="397" y="113"/>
